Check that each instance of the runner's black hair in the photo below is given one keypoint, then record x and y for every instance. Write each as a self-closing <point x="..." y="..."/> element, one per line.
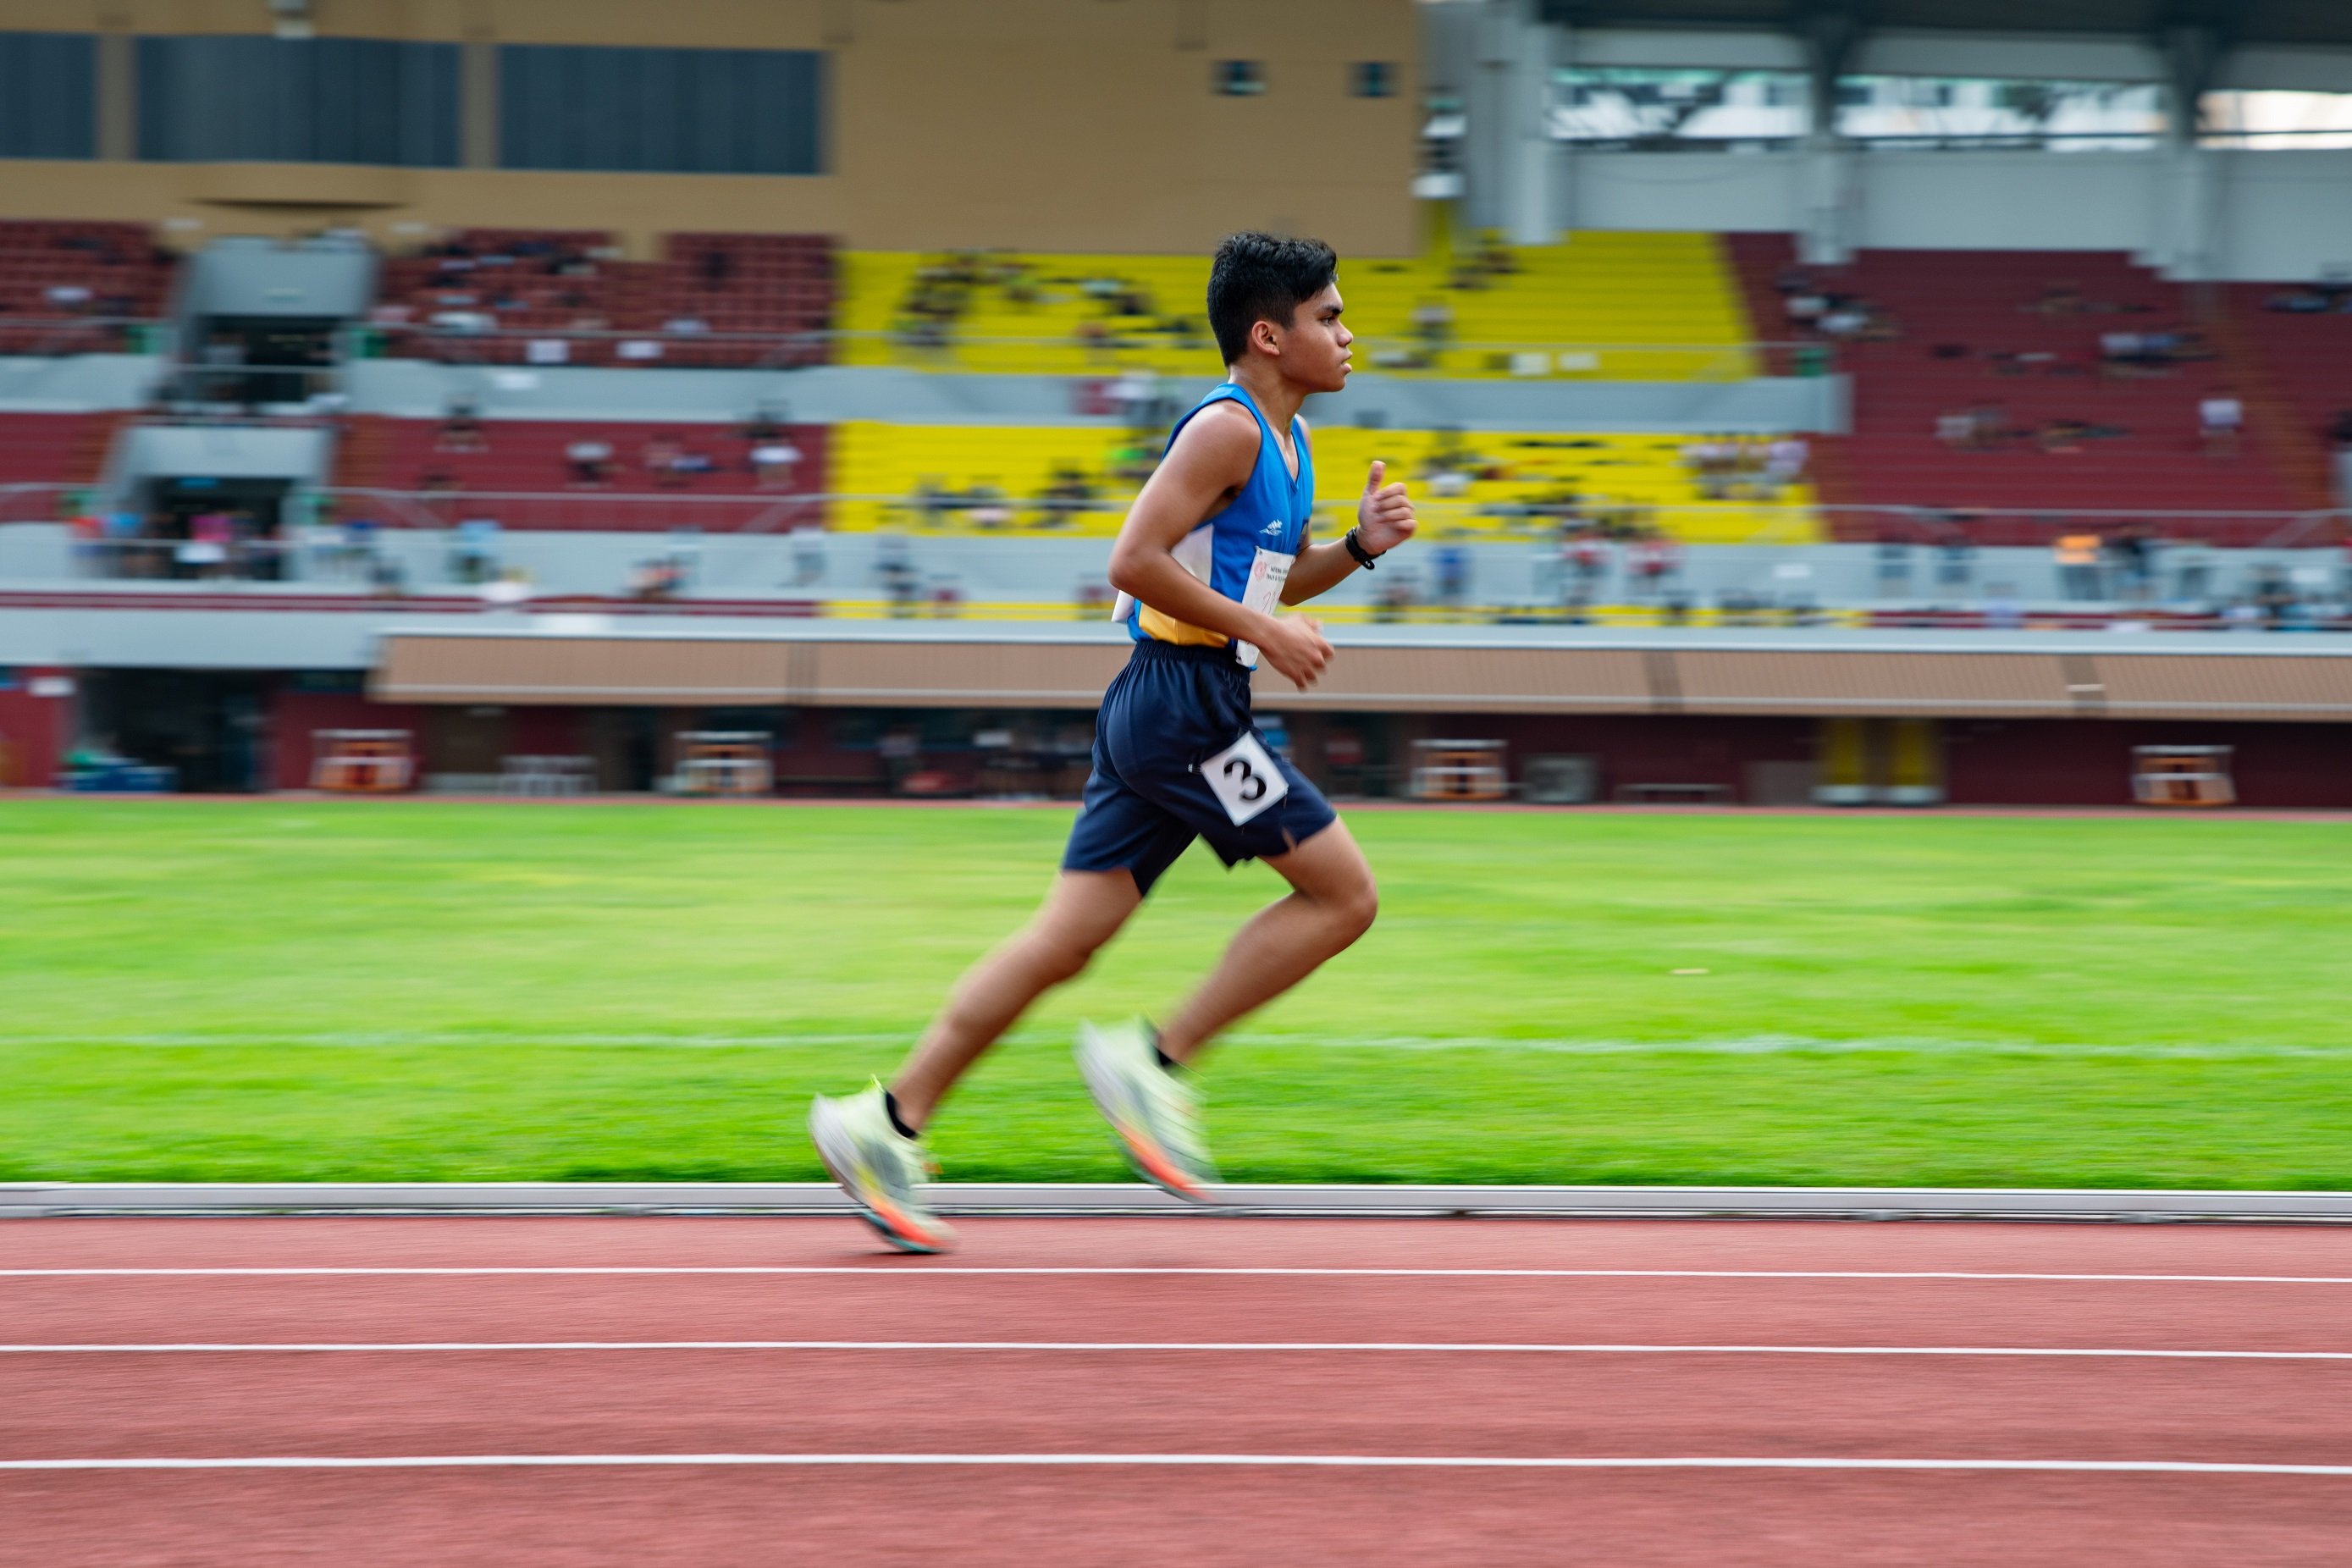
<point x="1263" y="277"/>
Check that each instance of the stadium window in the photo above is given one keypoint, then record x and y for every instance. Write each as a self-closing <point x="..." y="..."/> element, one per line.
<point x="1372" y="79"/>
<point x="48" y="95"/>
<point x="1617" y="106"/>
<point x="1918" y="112"/>
<point x="669" y="111"/>
<point x="2275" y="121"/>
<point x="251" y="98"/>
<point x="1240" y="78"/>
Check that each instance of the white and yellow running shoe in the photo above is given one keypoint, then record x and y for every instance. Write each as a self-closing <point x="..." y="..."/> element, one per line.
<point x="1155" y="1111"/>
<point x="883" y="1171"/>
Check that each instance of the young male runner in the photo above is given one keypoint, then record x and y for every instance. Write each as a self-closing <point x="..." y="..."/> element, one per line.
<point x="1217" y="539"/>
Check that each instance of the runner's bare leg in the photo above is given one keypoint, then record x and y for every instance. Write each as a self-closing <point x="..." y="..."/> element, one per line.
<point x="1332" y="903"/>
<point x="1084" y="910"/>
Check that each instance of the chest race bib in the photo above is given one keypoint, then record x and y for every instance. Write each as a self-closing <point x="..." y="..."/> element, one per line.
<point x="1269" y="570"/>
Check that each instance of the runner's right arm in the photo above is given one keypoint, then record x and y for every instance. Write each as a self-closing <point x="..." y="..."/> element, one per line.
<point x="1211" y="461"/>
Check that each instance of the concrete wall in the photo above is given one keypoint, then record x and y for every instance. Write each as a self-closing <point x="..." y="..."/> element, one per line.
<point x="2282" y="215"/>
<point x="1043" y="124"/>
<point x="251" y="277"/>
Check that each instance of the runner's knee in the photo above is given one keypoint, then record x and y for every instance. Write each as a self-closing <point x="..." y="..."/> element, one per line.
<point x="1355" y="908"/>
<point x="1058" y="958"/>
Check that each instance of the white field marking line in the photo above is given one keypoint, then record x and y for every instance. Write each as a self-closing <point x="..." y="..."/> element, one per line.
<point x="1312" y="1461"/>
<point x="904" y="1271"/>
<point x="1213" y="1347"/>
<point x="1760" y="1044"/>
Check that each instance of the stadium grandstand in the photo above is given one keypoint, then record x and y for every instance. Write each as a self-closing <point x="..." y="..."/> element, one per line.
<point x="1803" y="403"/>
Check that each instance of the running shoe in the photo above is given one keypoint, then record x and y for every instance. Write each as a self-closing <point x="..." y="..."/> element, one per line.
<point x="1154" y="1110"/>
<point x="881" y="1169"/>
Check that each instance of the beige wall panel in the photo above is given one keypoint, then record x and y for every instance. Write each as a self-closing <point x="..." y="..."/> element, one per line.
<point x="854" y="672"/>
<point x="1245" y="30"/>
<point x="1471" y="679"/>
<point x="601" y="670"/>
<point x="957" y="675"/>
<point x="1991" y="685"/>
<point x="2227" y="686"/>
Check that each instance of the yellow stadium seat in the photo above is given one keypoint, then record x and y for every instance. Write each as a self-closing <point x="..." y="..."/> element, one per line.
<point x="991" y="478"/>
<point x="1604" y="306"/>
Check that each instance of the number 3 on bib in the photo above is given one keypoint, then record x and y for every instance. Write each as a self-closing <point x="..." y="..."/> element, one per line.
<point x="1244" y="779"/>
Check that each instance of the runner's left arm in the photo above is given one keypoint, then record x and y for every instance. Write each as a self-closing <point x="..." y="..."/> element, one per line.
<point x="1384" y="519"/>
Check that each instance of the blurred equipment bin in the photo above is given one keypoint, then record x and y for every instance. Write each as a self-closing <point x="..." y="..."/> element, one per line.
<point x="2182" y="775"/>
<point x="723" y="762"/>
<point x="362" y="762"/>
<point x="1459" y="769"/>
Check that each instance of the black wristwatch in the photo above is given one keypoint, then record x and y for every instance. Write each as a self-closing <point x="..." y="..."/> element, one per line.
<point x="1364" y="558"/>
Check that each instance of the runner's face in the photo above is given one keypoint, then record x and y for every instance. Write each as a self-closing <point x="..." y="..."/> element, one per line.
<point x="1315" y="349"/>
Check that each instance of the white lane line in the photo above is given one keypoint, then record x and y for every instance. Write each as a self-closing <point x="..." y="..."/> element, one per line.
<point x="906" y="1270"/>
<point x="1219" y="1347"/>
<point x="1339" y="1461"/>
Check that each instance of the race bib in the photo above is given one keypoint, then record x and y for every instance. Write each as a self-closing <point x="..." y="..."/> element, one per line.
<point x="1244" y="779"/>
<point x="1269" y="570"/>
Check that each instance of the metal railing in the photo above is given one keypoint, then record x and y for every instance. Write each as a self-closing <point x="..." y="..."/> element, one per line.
<point x="939" y="347"/>
<point x="1434" y="355"/>
<point x="1758" y="520"/>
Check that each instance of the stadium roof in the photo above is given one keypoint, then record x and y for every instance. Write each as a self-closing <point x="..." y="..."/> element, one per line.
<point x="2238" y="22"/>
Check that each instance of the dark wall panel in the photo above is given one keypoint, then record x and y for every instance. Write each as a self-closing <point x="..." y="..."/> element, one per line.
<point x="685" y="111"/>
<point x="251" y="98"/>
<point x="48" y="95"/>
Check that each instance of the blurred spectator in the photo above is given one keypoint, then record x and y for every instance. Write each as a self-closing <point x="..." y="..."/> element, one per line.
<point x="808" y="554"/>
<point x="2077" y="556"/>
<point x="89" y="535"/>
<point x="591" y="461"/>
<point x="774" y="463"/>
<point x="2302" y="299"/>
<point x="461" y="427"/>
<point x="2219" y="418"/>
<point x="206" y="551"/>
<point x="1654" y="560"/>
<point x="1956" y="557"/>
<point x="1433" y="328"/>
<point x="2061" y="299"/>
<point x="474" y="550"/>
<point x="765" y="423"/>
<point x="659" y="578"/>
<point x="1451" y="565"/>
<point x="1585" y="554"/>
<point x="2133" y="552"/>
<point x="1784" y="461"/>
<point x="2193" y="572"/>
<point x="1136" y="396"/>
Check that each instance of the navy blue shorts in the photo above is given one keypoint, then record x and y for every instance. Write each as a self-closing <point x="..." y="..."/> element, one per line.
<point x="1171" y="710"/>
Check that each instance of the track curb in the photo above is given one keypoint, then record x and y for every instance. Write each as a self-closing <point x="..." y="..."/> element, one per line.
<point x="64" y="1199"/>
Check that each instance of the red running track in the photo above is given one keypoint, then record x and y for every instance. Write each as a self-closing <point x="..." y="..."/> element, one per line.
<point x="1115" y="1349"/>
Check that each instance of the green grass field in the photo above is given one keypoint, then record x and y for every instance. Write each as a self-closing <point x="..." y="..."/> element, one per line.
<point x="217" y="990"/>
